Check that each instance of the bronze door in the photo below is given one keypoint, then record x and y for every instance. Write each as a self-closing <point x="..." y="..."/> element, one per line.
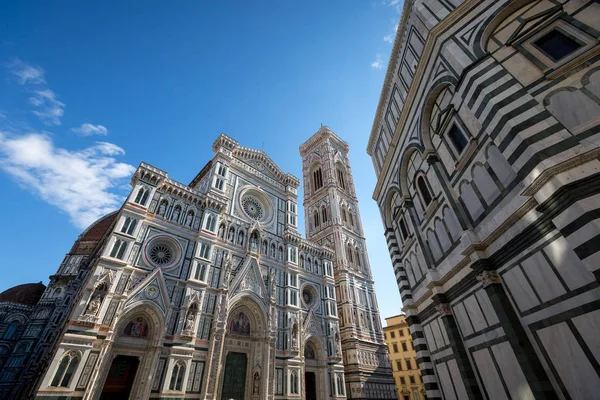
<point x="120" y="378"/>
<point x="234" y="381"/>
<point x="310" y="385"/>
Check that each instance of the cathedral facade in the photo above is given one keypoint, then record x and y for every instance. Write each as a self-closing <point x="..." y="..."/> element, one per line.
<point x="486" y="147"/>
<point x="208" y="291"/>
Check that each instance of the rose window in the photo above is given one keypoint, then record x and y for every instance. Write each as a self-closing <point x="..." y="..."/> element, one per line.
<point x="162" y="251"/>
<point x="307" y="296"/>
<point x="161" y="254"/>
<point x="252" y="207"/>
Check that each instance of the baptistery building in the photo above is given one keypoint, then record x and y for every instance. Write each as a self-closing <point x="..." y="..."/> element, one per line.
<point x="208" y="291"/>
<point x="486" y="146"/>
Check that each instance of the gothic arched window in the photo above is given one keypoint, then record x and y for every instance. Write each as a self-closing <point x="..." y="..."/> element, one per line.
<point x="118" y="250"/>
<point x="66" y="369"/>
<point x="350" y="218"/>
<point x="129" y="225"/>
<point x="301" y="261"/>
<point x="424" y="190"/>
<point x="10" y="331"/>
<point x="177" y="376"/>
<point x="316" y="219"/>
<point x="357" y="256"/>
<point x="344" y="215"/>
<point x="142" y="196"/>
<point x="349" y="254"/>
<point x="340" y="178"/>
<point x="324" y="214"/>
<point x="317" y="179"/>
<point x="211" y="222"/>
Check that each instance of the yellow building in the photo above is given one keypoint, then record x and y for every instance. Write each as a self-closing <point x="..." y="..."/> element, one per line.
<point x="403" y="357"/>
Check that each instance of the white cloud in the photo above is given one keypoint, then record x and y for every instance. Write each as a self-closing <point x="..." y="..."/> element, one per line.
<point x="388" y="38"/>
<point x="89" y="130"/>
<point x="378" y="63"/>
<point x="81" y="183"/>
<point x="26" y="73"/>
<point x="50" y="109"/>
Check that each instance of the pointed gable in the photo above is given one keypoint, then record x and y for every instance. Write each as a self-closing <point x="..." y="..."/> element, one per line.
<point x="153" y="289"/>
<point x="249" y="278"/>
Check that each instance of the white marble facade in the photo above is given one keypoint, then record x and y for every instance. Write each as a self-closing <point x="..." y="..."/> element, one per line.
<point x="486" y="144"/>
<point x="200" y="292"/>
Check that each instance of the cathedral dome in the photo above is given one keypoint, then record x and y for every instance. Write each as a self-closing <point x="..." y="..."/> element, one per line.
<point x="97" y="229"/>
<point x="28" y="294"/>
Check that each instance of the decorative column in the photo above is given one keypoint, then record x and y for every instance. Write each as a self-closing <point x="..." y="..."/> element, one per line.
<point x="423" y="356"/>
<point x="458" y="348"/>
<point x="517" y="337"/>
<point x="105" y="359"/>
<point x="215" y="351"/>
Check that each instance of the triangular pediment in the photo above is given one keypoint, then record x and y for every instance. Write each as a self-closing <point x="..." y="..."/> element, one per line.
<point x="533" y="24"/>
<point x="260" y="161"/>
<point x="153" y="289"/>
<point x="311" y="325"/>
<point x="249" y="278"/>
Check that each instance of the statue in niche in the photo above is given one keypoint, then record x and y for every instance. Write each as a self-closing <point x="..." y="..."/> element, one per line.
<point x="162" y="208"/>
<point x="175" y="216"/>
<point x="221" y="231"/>
<point x="273" y="285"/>
<point x="190" y="320"/>
<point x="256" y="387"/>
<point x="227" y="263"/>
<point x="137" y="328"/>
<point x="94" y="305"/>
<point x="241" y="238"/>
<point x="188" y="219"/>
<point x="253" y="243"/>
<point x="337" y="344"/>
<point x="294" y="334"/>
<point x="265" y="248"/>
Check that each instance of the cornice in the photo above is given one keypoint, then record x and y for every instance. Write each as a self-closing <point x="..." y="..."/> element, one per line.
<point x="460" y="11"/>
<point x="322" y="134"/>
<point x="387" y="82"/>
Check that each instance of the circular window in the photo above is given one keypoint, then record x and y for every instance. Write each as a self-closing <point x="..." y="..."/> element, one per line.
<point x="255" y="205"/>
<point x="309" y="296"/>
<point x="162" y="252"/>
<point x="252" y="207"/>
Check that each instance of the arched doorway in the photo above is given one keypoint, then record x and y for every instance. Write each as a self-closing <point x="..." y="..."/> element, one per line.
<point x="119" y="381"/>
<point x="246" y="352"/>
<point x="315" y="370"/>
<point x="127" y="362"/>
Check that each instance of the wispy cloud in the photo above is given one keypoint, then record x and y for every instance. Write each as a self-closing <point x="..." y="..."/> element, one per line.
<point x="378" y="63"/>
<point x="26" y="73"/>
<point x="390" y="37"/>
<point x="82" y="183"/>
<point x="89" y="130"/>
<point x="50" y="110"/>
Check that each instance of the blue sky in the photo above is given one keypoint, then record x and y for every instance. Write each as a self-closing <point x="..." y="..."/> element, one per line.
<point x="90" y="89"/>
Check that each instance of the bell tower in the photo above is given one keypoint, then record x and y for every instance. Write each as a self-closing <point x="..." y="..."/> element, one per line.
<point x="332" y="219"/>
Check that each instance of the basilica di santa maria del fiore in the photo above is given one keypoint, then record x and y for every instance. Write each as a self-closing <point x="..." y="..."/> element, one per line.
<point x="208" y="291"/>
<point x="486" y="148"/>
